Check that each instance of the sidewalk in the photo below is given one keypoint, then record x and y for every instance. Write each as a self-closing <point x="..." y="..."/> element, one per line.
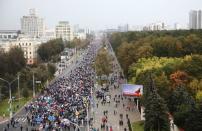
<point x="113" y="120"/>
<point x="125" y="107"/>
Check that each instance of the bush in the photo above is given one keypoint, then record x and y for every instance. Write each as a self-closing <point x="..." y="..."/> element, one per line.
<point x="51" y="69"/>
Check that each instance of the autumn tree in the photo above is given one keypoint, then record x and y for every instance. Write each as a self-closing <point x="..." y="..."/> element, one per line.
<point x="102" y="63"/>
<point x="126" y="55"/>
<point x="178" y="78"/>
<point x="192" y="66"/>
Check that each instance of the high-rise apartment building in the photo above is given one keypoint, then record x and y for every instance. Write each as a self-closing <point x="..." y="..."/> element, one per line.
<point x="32" y="25"/>
<point x="199" y="19"/>
<point x="195" y="19"/>
<point x="64" y="31"/>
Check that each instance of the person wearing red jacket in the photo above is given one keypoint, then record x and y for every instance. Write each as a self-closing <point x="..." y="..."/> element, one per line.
<point x="110" y="129"/>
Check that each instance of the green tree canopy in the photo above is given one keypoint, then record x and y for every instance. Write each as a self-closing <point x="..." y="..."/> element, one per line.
<point x="103" y="62"/>
<point x="51" y="48"/>
<point x="156" y="111"/>
<point x="12" y="62"/>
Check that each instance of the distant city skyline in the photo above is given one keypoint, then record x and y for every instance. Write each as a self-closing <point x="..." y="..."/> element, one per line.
<point x="98" y="14"/>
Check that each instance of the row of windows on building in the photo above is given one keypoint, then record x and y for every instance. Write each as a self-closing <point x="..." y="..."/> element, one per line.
<point x="25" y="44"/>
<point x="26" y="52"/>
<point x="27" y="57"/>
<point x="7" y="36"/>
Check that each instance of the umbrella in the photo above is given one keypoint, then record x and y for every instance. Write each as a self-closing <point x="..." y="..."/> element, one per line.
<point x="38" y="119"/>
<point x="51" y="118"/>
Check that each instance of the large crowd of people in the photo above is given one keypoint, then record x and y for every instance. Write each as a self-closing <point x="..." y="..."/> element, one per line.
<point x="65" y="102"/>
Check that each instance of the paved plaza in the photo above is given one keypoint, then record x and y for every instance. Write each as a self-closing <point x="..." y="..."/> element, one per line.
<point x="114" y="117"/>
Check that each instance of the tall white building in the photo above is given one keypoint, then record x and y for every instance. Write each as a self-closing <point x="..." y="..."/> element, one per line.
<point x="199" y="17"/>
<point x="32" y="25"/>
<point x="64" y="31"/>
<point x="78" y="32"/>
<point x="195" y="19"/>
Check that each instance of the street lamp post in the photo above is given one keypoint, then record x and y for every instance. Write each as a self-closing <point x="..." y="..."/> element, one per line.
<point x="76" y="52"/>
<point x="87" y="118"/>
<point x="10" y="97"/>
<point x="19" y="88"/>
<point x="10" y="101"/>
<point x="33" y="85"/>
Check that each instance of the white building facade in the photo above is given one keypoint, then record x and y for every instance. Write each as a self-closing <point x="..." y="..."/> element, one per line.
<point x="29" y="47"/>
<point x="8" y="34"/>
<point x="64" y="31"/>
<point x="79" y="34"/>
<point x="49" y="34"/>
<point x="155" y="27"/>
<point x="32" y="25"/>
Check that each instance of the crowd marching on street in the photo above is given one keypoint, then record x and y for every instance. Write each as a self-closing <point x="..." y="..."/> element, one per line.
<point x="65" y="102"/>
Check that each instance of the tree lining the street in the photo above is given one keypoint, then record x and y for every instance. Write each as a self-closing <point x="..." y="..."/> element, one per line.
<point x="103" y="63"/>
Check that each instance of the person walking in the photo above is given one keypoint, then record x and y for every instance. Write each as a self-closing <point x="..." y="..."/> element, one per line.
<point x="110" y="129"/>
<point x="8" y="125"/>
<point x="4" y="129"/>
<point x="21" y="127"/>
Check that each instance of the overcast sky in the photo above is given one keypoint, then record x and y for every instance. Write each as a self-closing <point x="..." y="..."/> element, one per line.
<point x="98" y="14"/>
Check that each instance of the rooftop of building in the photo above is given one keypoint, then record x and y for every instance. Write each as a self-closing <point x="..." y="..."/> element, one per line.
<point x="63" y="22"/>
<point x="10" y="31"/>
